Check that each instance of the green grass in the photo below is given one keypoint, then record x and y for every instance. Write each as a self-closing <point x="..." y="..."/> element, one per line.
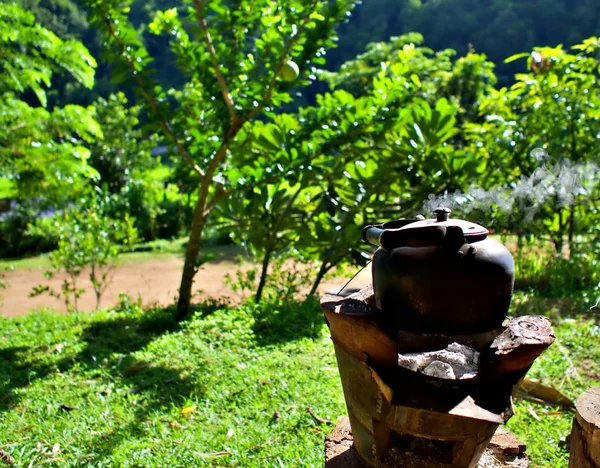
<point x="229" y="387"/>
<point x="42" y="262"/>
<point x="241" y="370"/>
<point x="142" y="252"/>
<point x="28" y="263"/>
<point x="156" y="250"/>
<point x="569" y="365"/>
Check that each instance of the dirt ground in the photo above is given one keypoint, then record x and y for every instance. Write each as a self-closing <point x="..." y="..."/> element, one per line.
<point x="156" y="281"/>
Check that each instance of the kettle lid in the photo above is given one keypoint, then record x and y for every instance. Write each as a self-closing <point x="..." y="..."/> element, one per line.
<point x="442" y="215"/>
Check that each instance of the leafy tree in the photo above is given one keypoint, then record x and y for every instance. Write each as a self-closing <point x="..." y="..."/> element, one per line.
<point x="498" y="28"/>
<point x="125" y="164"/>
<point x="124" y="154"/>
<point x="373" y="144"/>
<point x="306" y="155"/>
<point x="232" y="54"/>
<point x="555" y="108"/>
<point x="42" y="151"/>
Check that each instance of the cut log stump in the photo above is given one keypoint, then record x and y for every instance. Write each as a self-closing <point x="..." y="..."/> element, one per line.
<point x="503" y="451"/>
<point x="584" y="442"/>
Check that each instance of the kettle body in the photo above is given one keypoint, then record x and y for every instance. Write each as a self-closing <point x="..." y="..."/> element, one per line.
<point x="441" y="279"/>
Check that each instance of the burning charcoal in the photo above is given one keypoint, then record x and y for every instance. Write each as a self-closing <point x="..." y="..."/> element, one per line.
<point x="461" y="360"/>
<point x="440" y="369"/>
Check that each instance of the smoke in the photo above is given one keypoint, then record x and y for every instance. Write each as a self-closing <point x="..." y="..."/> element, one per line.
<point x="558" y="184"/>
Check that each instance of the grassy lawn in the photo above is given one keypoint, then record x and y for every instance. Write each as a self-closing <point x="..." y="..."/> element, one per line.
<point x="157" y="250"/>
<point x="229" y="387"/>
<point x="41" y="262"/>
<point x="148" y="251"/>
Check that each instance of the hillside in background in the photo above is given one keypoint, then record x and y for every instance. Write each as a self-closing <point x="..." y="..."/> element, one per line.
<point x="498" y="28"/>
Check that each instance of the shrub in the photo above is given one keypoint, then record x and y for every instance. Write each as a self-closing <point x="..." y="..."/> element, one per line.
<point x="88" y="237"/>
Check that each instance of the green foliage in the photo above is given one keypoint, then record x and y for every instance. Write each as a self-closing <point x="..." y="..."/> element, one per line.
<point x="285" y="280"/>
<point x="537" y="268"/>
<point x="125" y="164"/>
<point x="540" y="135"/>
<point x="498" y="28"/>
<point x="399" y="55"/>
<point x="15" y="240"/>
<point x="232" y="55"/>
<point x="478" y="25"/>
<point x="31" y="54"/>
<point x="88" y="238"/>
<point x="122" y="156"/>
<point x="42" y="152"/>
<point x="380" y="139"/>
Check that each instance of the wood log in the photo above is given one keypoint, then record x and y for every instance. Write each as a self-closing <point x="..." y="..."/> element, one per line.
<point x="515" y="349"/>
<point x="584" y="442"/>
<point x="504" y="450"/>
<point x="354" y="326"/>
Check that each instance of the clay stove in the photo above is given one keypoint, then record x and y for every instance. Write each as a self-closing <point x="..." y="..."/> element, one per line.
<point x="428" y="374"/>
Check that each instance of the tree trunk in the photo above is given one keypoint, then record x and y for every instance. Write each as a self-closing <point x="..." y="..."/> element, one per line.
<point x="558" y="245"/>
<point x="572" y="230"/>
<point x="191" y="255"/>
<point x="584" y="441"/>
<point x="322" y="272"/>
<point x="269" y="251"/>
<point x="263" y="274"/>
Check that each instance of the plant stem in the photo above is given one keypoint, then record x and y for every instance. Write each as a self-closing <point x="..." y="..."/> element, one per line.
<point x="325" y="267"/>
<point x="270" y="248"/>
<point x="215" y="62"/>
<point x="263" y="273"/>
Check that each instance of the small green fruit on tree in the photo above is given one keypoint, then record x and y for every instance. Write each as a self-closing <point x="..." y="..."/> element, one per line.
<point x="290" y="71"/>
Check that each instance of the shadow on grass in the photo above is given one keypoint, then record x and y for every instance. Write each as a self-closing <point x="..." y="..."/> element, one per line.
<point x="105" y="357"/>
<point x="288" y="321"/>
<point x="104" y="340"/>
<point x="103" y="351"/>
<point x="15" y="374"/>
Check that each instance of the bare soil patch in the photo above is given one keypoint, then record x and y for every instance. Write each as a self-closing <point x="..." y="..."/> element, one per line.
<point x="155" y="280"/>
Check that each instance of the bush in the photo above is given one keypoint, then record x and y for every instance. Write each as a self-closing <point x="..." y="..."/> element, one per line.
<point x="88" y="237"/>
<point x="15" y="240"/>
<point x="539" y="269"/>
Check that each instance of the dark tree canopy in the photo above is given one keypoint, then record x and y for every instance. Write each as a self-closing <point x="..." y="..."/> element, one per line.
<point x="497" y="28"/>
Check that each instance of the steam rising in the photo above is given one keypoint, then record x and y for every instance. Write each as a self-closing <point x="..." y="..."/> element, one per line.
<point x="558" y="184"/>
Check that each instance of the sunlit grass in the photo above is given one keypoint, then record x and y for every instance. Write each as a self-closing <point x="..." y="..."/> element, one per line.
<point x="230" y="387"/>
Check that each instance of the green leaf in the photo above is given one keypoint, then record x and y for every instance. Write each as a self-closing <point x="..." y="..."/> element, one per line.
<point x="515" y="57"/>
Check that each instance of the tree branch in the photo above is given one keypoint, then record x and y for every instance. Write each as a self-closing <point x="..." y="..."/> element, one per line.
<point x="149" y="98"/>
<point x="288" y="47"/>
<point x="199" y="8"/>
<point x="221" y="193"/>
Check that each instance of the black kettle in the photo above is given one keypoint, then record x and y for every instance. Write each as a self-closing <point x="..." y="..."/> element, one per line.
<point x="440" y="276"/>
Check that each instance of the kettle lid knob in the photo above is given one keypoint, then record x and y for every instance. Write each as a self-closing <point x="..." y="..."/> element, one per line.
<point x="442" y="214"/>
